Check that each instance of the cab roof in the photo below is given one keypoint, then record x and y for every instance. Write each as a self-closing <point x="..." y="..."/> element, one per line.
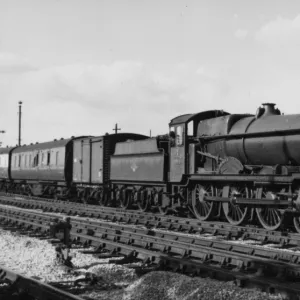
<point x="209" y="114"/>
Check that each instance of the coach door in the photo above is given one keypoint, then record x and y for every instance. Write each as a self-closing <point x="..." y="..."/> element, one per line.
<point x="81" y="161"/>
<point x="97" y="160"/>
<point x="177" y="157"/>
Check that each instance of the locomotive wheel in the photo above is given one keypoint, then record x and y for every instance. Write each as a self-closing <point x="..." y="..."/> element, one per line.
<point x="158" y="203"/>
<point x="204" y="210"/>
<point x="269" y="218"/>
<point x="102" y="198"/>
<point x="126" y="198"/>
<point x="144" y="200"/>
<point x="84" y="197"/>
<point x="296" y="221"/>
<point x="234" y="213"/>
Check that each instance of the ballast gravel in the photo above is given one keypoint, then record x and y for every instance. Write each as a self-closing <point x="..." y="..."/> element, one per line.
<point x="33" y="257"/>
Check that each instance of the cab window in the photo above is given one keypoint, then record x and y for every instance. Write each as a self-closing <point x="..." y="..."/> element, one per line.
<point x="179" y="136"/>
<point x="172" y="136"/>
<point x="190" y="128"/>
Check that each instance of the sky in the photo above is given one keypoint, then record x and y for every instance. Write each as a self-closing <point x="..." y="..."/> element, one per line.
<point x="80" y="66"/>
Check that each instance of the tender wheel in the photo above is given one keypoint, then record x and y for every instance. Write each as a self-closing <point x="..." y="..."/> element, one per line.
<point x="234" y="213"/>
<point x="80" y="197"/>
<point x="157" y="200"/>
<point x="204" y="210"/>
<point x="126" y="198"/>
<point x="144" y="200"/>
<point x="102" y="198"/>
<point x="269" y="218"/>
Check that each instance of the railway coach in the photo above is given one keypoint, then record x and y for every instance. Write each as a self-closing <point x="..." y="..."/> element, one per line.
<point x="75" y="169"/>
<point x="42" y="169"/>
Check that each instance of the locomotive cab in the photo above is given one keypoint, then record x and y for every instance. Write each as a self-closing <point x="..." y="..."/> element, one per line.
<point x="184" y="144"/>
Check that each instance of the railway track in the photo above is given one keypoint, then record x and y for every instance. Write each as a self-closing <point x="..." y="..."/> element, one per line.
<point x="287" y="239"/>
<point x="17" y="286"/>
<point x="272" y="270"/>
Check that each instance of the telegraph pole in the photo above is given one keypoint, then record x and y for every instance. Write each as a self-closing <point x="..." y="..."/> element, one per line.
<point x="116" y="128"/>
<point x="1" y="131"/>
<point x="20" y="115"/>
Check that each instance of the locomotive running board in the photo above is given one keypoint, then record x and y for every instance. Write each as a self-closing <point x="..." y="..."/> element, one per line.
<point x="256" y="179"/>
<point x="250" y="201"/>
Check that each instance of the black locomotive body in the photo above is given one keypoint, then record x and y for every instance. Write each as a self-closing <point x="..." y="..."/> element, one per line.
<point x="241" y="168"/>
<point x="139" y="171"/>
<point x="215" y="165"/>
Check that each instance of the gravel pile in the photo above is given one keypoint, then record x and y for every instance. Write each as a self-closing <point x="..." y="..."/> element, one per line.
<point x="170" y="286"/>
<point x="33" y="257"/>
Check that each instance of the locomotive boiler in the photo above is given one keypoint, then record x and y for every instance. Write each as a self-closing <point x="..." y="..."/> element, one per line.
<point x="266" y="139"/>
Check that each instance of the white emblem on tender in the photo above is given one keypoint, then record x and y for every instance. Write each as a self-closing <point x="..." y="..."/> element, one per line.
<point x="133" y="165"/>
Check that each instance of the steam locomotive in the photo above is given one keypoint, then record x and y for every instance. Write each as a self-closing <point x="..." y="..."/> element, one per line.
<point x="217" y="166"/>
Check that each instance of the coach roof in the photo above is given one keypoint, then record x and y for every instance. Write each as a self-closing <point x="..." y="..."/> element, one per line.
<point x="43" y="146"/>
<point x="6" y="150"/>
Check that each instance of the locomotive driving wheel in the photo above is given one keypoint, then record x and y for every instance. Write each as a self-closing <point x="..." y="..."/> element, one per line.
<point x="270" y="218"/>
<point x="296" y="219"/>
<point x="234" y="213"/>
<point x="204" y="210"/>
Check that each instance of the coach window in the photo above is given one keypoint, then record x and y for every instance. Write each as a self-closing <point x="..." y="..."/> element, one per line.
<point x="29" y="160"/>
<point x="179" y="135"/>
<point x="36" y="160"/>
<point x="19" y="161"/>
<point x="25" y="164"/>
<point x="48" y="158"/>
<point x="56" y="157"/>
